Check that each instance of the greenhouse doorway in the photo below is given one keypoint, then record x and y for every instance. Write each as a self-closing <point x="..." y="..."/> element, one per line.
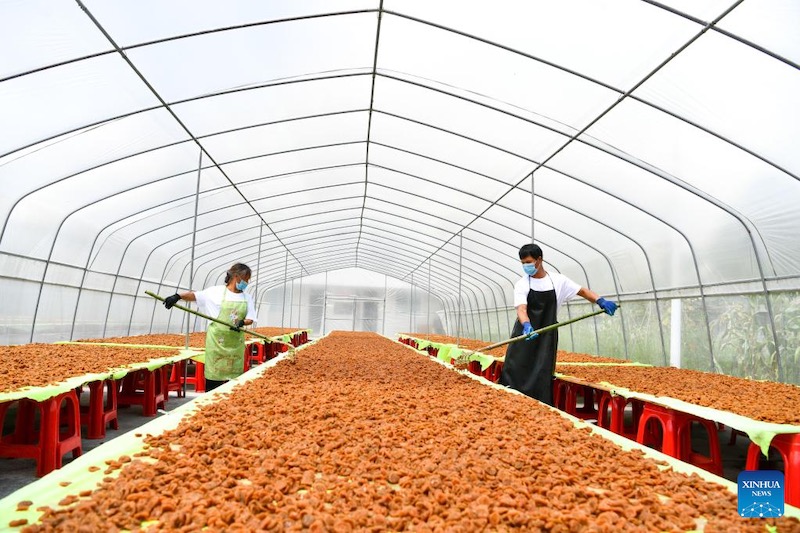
<point x="350" y="313"/>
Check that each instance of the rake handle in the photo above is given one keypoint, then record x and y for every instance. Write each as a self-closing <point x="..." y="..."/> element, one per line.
<point x="539" y="331"/>
<point x="202" y="315"/>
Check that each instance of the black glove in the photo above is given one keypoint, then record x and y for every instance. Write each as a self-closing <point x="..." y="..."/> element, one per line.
<point x="169" y="301"/>
<point x="239" y="324"/>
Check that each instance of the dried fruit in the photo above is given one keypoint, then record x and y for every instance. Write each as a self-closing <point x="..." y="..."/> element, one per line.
<point x="362" y="434"/>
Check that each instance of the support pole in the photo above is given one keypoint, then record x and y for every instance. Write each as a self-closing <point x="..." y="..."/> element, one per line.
<point x="191" y="265"/>
<point x="411" y="308"/>
<point x="533" y="211"/>
<point x="300" y="306"/>
<point x="258" y="264"/>
<point x="460" y="261"/>
<point x="285" y="275"/>
<point x="428" y="331"/>
<point x="355" y="308"/>
<point x="291" y="304"/>
<point x="324" y="303"/>
<point x="194" y="245"/>
<point x="675" y="333"/>
<point x="385" y="299"/>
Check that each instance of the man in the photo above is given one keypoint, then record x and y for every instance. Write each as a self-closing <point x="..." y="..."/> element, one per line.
<point x="530" y="364"/>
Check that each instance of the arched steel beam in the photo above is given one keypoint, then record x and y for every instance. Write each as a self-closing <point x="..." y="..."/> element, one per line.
<point x="169" y="109"/>
<point x="371" y="107"/>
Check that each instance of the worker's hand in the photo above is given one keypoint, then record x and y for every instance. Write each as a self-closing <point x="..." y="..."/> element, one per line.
<point x="606" y="305"/>
<point x="527" y="330"/>
<point x="169" y="301"/>
<point x="238" y="326"/>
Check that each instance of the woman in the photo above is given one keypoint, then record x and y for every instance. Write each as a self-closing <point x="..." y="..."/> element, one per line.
<point x="529" y="366"/>
<point x="229" y="303"/>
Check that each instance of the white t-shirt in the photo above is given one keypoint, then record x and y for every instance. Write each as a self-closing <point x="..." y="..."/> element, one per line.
<point x="209" y="301"/>
<point x="565" y="288"/>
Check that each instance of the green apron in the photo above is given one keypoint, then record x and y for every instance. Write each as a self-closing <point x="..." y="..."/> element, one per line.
<point x="225" y="347"/>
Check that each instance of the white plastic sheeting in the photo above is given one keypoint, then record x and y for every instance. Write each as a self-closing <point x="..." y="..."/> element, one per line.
<point x="647" y="146"/>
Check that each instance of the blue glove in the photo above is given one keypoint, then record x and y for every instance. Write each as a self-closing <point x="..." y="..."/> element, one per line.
<point x="527" y="329"/>
<point x="606" y="305"/>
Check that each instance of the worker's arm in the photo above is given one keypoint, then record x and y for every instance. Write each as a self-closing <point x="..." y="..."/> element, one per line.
<point x="606" y="305"/>
<point x="522" y="313"/>
<point x="588" y="294"/>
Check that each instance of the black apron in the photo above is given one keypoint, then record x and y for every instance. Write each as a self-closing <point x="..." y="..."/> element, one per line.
<point x="530" y="365"/>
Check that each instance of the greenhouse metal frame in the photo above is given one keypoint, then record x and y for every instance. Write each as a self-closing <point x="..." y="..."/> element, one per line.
<point x="646" y="146"/>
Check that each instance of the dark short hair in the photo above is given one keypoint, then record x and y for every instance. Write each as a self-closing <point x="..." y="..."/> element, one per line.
<point x="238" y="269"/>
<point x="530" y="250"/>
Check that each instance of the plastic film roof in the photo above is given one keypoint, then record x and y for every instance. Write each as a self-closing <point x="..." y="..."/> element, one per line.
<point x="659" y="140"/>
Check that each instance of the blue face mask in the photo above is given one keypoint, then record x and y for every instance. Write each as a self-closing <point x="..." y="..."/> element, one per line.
<point x="241" y="285"/>
<point x="530" y="269"/>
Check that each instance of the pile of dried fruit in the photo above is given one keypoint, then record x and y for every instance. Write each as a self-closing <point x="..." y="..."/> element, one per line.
<point x="36" y="365"/>
<point x="474" y="344"/>
<point x="196" y="340"/>
<point x="573" y="357"/>
<point x="274" y="332"/>
<point x="364" y="434"/>
<point x="726" y="393"/>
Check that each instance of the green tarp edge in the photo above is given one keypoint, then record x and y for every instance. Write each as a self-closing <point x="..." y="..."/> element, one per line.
<point x="47" y="490"/>
<point x="48" y="391"/>
<point x="758" y="431"/>
<point x="451" y="351"/>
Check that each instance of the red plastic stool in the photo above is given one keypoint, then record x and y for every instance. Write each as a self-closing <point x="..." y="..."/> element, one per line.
<point x="587" y="409"/>
<point x="788" y="446"/>
<point x="65" y="425"/>
<point x="615" y="419"/>
<point x="246" y="358"/>
<point x="676" y="437"/>
<point x="493" y="371"/>
<point x="28" y="442"/>
<point x="270" y="350"/>
<point x="146" y="388"/>
<point x="175" y="379"/>
<point x="565" y="397"/>
<point x="256" y="352"/>
<point x="101" y="411"/>
<point x="560" y="393"/>
<point x="734" y="433"/>
<point x="569" y="396"/>
<point x="46" y="444"/>
<point x="198" y="379"/>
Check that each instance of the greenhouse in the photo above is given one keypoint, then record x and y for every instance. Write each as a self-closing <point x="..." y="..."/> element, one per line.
<point x="371" y="169"/>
